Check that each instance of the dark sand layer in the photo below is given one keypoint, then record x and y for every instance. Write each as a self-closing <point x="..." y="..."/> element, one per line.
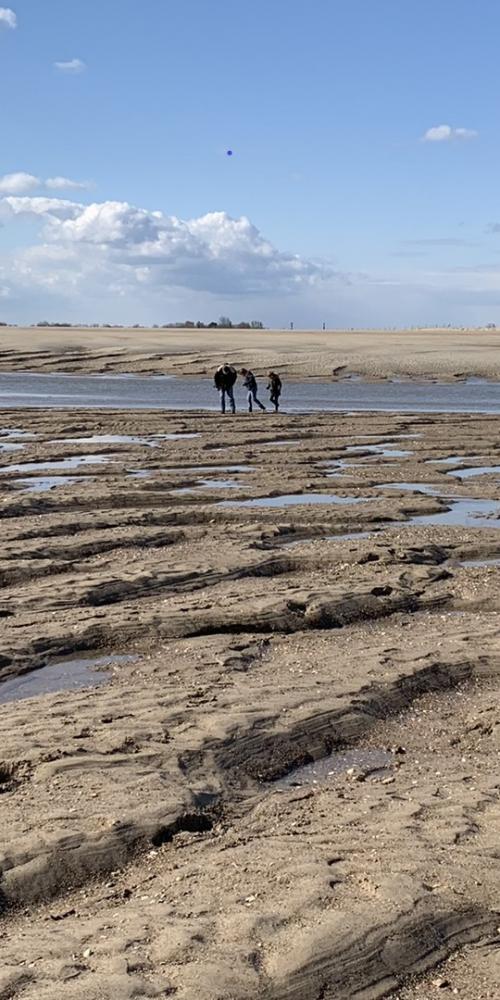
<point x="149" y="845"/>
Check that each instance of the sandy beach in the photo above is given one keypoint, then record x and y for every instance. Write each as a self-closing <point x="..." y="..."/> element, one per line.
<point x="277" y="592"/>
<point x="440" y="353"/>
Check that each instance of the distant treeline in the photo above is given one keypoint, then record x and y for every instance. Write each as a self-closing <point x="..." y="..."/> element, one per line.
<point x="224" y="323"/>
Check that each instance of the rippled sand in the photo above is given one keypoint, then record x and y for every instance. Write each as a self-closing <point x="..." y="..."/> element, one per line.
<point x="148" y="844"/>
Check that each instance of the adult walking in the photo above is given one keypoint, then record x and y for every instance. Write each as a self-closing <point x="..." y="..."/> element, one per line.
<point x="274" y="386"/>
<point x="250" y="383"/>
<point x="224" y="379"/>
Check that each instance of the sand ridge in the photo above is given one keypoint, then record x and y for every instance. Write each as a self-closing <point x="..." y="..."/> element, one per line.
<point x="435" y="353"/>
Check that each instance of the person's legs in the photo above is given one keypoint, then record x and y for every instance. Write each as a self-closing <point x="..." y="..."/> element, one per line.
<point x="249" y="398"/>
<point x="230" y="396"/>
<point x="222" y="393"/>
<point x="254" y="394"/>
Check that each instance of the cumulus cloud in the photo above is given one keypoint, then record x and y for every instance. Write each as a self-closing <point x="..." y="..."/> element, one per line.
<point x="126" y="248"/>
<point x="71" y="66"/>
<point x="18" y="183"/>
<point x="447" y="133"/>
<point x="48" y="208"/>
<point x="7" y="18"/>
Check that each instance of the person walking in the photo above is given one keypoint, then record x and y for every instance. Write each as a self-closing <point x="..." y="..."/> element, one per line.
<point x="224" y="379"/>
<point x="250" y="383"/>
<point x="274" y="386"/>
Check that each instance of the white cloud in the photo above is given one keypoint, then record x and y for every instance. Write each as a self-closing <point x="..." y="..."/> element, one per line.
<point x="71" y="66"/>
<point x="7" y="18"/>
<point x="47" y="208"/>
<point x="18" y="183"/>
<point x="447" y="133"/>
<point x="66" y="184"/>
<point x="110" y="249"/>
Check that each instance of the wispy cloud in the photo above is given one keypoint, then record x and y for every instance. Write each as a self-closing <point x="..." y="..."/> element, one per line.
<point x="71" y="66"/>
<point x="448" y="133"/>
<point x="7" y="18"/>
<point x="22" y="183"/>
<point x="66" y="184"/>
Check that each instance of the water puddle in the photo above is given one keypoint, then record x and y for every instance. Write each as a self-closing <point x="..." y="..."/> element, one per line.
<point x="452" y="459"/>
<point x="41" y="484"/>
<point x="463" y="513"/>
<point x="59" y="463"/>
<point x="17" y="432"/>
<point x="429" y="489"/>
<point x="348" y="536"/>
<point x="293" y="500"/>
<point x="173" y="437"/>
<point x="476" y="470"/>
<point x="370" y="763"/>
<point x="209" y="484"/>
<point x="65" y="675"/>
<point x="10" y="446"/>
<point x="387" y="450"/>
<point x="109" y="439"/>
<point x="471" y="563"/>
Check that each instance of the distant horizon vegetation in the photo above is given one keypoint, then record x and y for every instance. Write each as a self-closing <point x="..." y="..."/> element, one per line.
<point x="224" y="323"/>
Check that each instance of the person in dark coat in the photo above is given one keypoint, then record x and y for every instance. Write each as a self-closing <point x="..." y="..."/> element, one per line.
<point x="274" y="386"/>
<point x="250" y="383"/>
<point x="224" y="379"/>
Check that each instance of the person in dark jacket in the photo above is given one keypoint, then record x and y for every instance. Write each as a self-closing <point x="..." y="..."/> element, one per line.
<point x="250" y="383"/>
<point x="274" y="386"/>
<point x="224" y="379"/>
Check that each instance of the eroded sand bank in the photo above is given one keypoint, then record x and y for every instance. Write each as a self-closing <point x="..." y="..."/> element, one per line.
<point x="147" y="845"/>
<point x="440" y="353"/>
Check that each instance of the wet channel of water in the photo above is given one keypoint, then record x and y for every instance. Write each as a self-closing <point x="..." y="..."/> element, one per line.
<point x="27" y="389"/>
<point x="293" y="500"/>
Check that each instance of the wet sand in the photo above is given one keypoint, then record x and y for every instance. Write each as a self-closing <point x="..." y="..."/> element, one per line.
<point x="439" y="353"/>
<point x="153" y="838"/>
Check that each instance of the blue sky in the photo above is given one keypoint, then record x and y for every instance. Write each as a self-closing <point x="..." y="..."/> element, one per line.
<point x="355" y="218"/>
